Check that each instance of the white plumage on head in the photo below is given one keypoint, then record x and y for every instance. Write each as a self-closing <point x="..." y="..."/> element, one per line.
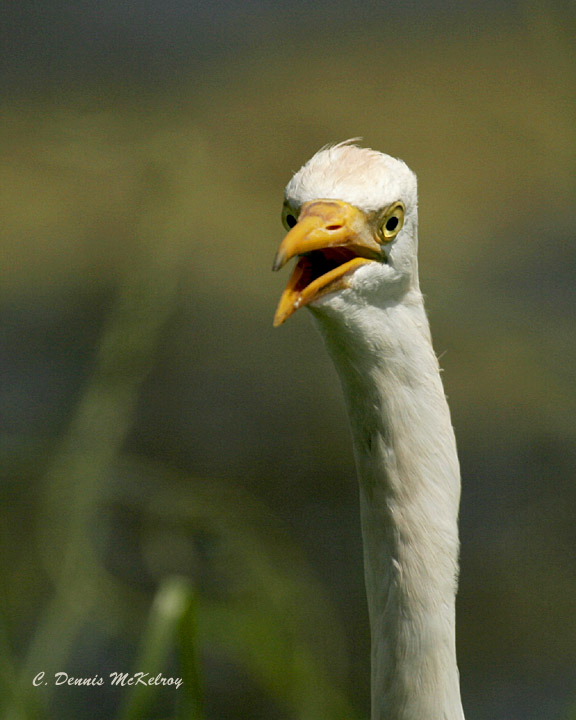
<point x="365" y="178"/>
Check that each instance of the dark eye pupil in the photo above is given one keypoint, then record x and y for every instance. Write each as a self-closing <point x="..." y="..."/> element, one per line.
<point x="290" y="221"/>
<point x="391" y="223"/>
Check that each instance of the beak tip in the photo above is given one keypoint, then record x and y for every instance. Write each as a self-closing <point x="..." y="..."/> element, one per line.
<point x="282" y="314"/>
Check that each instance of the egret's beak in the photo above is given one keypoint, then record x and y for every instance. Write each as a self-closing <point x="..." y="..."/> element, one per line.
<point x="332" y="239"/>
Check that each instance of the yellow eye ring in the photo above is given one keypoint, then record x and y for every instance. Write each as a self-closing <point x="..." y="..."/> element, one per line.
<point x="392" y="222"/>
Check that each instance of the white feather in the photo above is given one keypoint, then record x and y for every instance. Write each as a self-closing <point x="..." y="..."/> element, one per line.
<point x="366" y="178"/>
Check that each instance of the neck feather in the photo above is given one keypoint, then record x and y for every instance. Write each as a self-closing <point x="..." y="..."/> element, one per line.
<point x="409" y="478"/>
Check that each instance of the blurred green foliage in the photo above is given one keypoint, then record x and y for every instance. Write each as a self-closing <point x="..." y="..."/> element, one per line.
<point x="168" y="456"/>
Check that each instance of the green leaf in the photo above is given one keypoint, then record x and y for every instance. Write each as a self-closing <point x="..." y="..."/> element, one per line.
<point x="171" y="623"/>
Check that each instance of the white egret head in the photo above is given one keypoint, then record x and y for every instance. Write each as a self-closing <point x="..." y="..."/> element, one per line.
<point x="352" y="217"/>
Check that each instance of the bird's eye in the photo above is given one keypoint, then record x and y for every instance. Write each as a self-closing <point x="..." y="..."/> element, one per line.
<point x="289" y="217"/>
<point x="392" y="222"/>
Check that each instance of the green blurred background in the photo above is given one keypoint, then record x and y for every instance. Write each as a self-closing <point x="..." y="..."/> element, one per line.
<point x="178" y="492"/>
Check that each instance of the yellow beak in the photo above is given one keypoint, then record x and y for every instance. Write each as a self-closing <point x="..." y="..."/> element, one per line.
<point x="332" y="239"/>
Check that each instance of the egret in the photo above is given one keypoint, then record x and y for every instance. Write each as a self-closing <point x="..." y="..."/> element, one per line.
<point x="352" y="220"/>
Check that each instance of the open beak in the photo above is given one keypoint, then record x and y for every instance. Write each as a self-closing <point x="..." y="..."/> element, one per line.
<point x="331" y="239"/>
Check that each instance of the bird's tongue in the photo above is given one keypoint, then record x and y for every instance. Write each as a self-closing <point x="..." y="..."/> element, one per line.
<point x="316" y="274"/>
<point x="315" y="264"/>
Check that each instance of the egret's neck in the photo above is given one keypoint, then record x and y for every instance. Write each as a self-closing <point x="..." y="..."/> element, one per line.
<point x="409" y="493"/>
